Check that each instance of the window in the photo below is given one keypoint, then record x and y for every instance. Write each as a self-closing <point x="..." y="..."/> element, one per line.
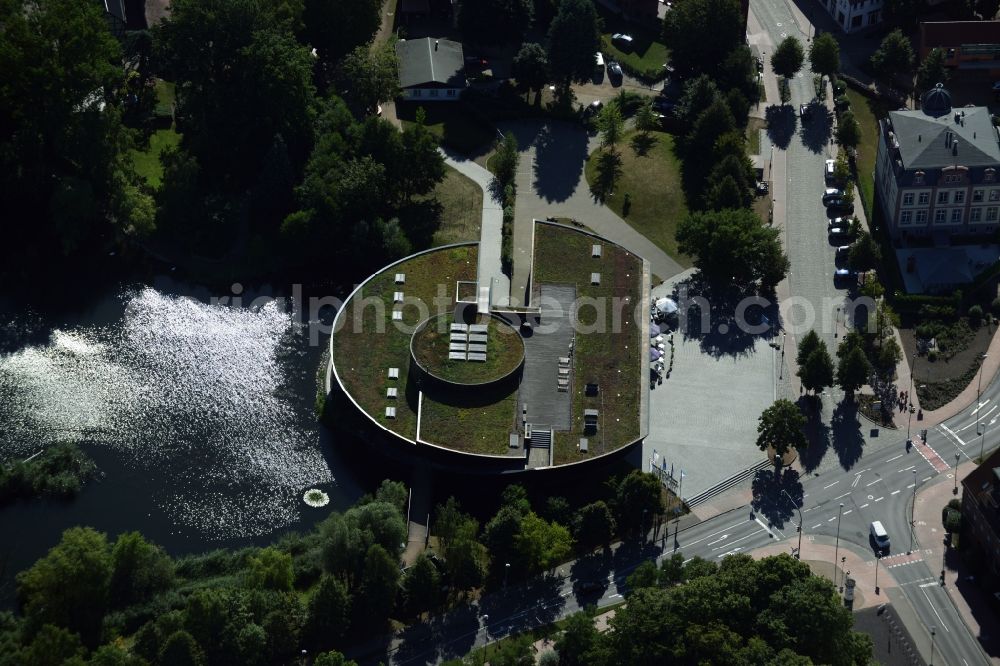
<point x="921" y="217"/>
<point x="451" y="92"/>
<point x="942" y="197"/>
<point x="939" y="216"/>
<point x="991" y="214"/>
<point x="906" y="217"/>
<point x="977" y="196"/>
<point x="908" y="199"/>
<point x="994" y="195"/>
<point x="960" y="196"/>
<point x="956" y="216"/>
<point x="923" y="198"/>
<point x="918" y="178"/>
<point x="989" y="175"/>
<point x="975" y="215"/>
<point x="434" y="92"/>
<point x="952" y="178"/>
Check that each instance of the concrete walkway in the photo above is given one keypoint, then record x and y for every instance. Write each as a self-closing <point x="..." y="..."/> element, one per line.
<point x="551" y="182"/>
<point x="491" y="232"/>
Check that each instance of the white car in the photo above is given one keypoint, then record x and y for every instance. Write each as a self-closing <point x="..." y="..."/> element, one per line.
<point x="828" y="169"/>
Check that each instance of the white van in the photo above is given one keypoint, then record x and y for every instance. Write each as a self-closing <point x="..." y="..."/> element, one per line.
<point x="828" y="169"/>
<point x="880" y="536"/>
<point x="599" y="63"/>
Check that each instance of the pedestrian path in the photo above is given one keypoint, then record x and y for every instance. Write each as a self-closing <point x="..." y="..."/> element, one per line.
<point x="490" y="270"/>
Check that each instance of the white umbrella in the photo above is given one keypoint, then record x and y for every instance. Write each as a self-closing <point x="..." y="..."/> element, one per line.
<point x="666" y="305"/>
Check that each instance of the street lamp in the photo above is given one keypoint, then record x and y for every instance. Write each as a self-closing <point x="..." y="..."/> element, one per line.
<point x="913" y="506"/>
<point x="958" y="458"/>
<point x="798" y="552"/>
<point x="878" y="558"/>
<point x="836" y="550"/>
<point x="506" y="571"/>
<point x="908" y="412"/>
<point x="486" y="632"/>
<point x="933" y="631"/>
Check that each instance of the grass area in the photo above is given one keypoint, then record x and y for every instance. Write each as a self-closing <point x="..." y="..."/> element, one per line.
<point x="456" y="124"/>
<point x="647" y="55"/>
<point x="369" y="342"/>
<point x="867" y="112"/>
<point x="608" y="354"/>
<point x="754" y="126"/>
<point x="479" y="425"/>
<point x="504" y="351"/>
<point x="653" y="182"/>
<point x="147" y="162"/>
<point x="461" y="208"/>
<point x="166" y="96"/>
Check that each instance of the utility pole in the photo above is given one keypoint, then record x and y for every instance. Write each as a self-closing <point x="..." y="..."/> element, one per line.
<point x="913" y="506"/>
<point x="933" y="631"/>
<point x="908" y="412"/>
<point x="486" y="632"/>
<point x="798" y="551"/>
<point x="836" y="550"/>
<point x="958" y="459"/>
<point x="979" y="387"/>
<point x="878" y="558"/>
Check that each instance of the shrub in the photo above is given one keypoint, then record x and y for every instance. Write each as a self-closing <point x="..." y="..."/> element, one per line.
<point x="975" y="315"/>
<point x="952" y="520"/>
<point x="839" y="88"/>
<point x="932" y="355"/>
<point x="995" y="307"/>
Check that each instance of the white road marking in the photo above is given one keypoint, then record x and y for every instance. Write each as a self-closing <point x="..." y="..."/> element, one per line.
<point x="895" y="458"/>
<point x="929" y="584"/>
<point x="951" y="432"/>
<point x="894" y="492"/>
<point x="848" y="511"/>
<point x="907" y="469"/>
<point x="940" y="619"/>
<point x="841" y="496"/>
<point x="863" y="505"/>
<point x="815" y="526"/>
<point x="831" y="519"/>
<point x="831" y="485"/>
<point x="856" y="479"/>
<point x="719" y="540"/>
<point x="731" y="552"/>
<point x="770" y="530"/>
<point x="879" y="499"/>
<point x="978" y="407"/>
<point x="731" y="527"/>
<point x="927" y="478"/>
<point x="741" y="539"/>
<point x="872" y="483"/>
<point x="911" y="485"/>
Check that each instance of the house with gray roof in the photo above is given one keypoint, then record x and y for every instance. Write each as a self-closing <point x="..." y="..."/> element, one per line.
<point x="431" y="70"/>
<point x="936" y="173"/>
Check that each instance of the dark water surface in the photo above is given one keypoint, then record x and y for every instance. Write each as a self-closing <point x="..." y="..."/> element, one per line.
<point x="198" y="415"/>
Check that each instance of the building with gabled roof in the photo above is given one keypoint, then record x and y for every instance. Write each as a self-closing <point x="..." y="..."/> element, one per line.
<point x="431" y="69"/>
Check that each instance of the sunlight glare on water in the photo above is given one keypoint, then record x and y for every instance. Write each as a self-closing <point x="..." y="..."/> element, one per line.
<point x="193" y="396"/>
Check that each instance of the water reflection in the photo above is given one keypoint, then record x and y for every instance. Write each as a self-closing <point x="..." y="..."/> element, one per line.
<point x="213" y="401"/>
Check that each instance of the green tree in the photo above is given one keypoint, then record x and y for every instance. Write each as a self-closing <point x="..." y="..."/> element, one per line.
<point x="865" y="254"/>
<point x="347" y="538"/>
<point x="422" y="166"/>
<point x="180" y="649"/>
<point x="69" y="586"/>
<point x="449" y="520"/>
<point x="395" y="493"/>
<point x="515" y="496"/>
<point x="645" y="575"/>
<point x="702" y="34"/>
<point x="499" y="533"/>
<point x="270" y="569"/>
<point x="573" y="41"/>
<point x="893" y="61"/>
<point x="888" y="357"/>
<point x="205" y="618"/>
<point x="736" y="170"/>
<point x="538" y="545"/>
<point x="817" y="372"/>
<point x="671" y="570"/>
<point x="788" y="57"/>
<point x="495" y="21"/>
<point x="611" y="125"/>
<point x="531" y="66"/>
<point x="595" y="526"/>
<point x="328" y="614"/>
<point x="370" y="76"/>
<point x="733" y="246"/>
<point x="140" y="570"/>
<point x="810" y="342"/>
<point x="723" y="194"/>
<point x="422" y="585"/>
<point x="337" y="27"/>
<point x="638" y="500"/>
<point x="932" y="71"/>
<point x="699" y="94"/>
<point x="333" y="659"/>
<point x="51" y="645"/>
<point x="841" y="169"/>
<point x="505" y="161"/>
<point x="379" y="584"/>
<point x="848" y="130"/>
<point x="113" y="655"/>
<point x="251" y="645"/>
<point x="646" y="119"/>
<point x="780" y="428"/>
<point x="824" y="55"/>
<point x="852" y="370"/>
<point x="466" y="563"/>
<point x="577" y="640"/>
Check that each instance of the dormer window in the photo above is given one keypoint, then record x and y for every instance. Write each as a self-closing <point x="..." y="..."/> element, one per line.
<point x="989" y="175"/>
<point x="918" y="178"/>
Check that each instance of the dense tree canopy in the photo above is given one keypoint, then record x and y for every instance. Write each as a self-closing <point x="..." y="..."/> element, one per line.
<point x="573" y="41"/>
<point x="703" y="34"/>
<point x="733" y="246"/>
<point x="824" y="54"/>
<point x="495" y="21"/>
<point x="780" y="427"/>
<point x="337" y="27"/>
<point x="788" y="57"/>
<point x="893" y="61"/>
<point x="531" y="66"/>
<point x="932" y="71"/>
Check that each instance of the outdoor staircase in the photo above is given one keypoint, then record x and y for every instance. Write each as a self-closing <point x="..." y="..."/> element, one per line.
<point x="540" y="452"/>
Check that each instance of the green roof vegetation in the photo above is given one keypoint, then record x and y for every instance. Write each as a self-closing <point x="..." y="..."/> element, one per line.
<point x="605" y="356"/>
<point x="369" y="342"/>
<point x="472" y="423"/>
<point x="504" y="351"/>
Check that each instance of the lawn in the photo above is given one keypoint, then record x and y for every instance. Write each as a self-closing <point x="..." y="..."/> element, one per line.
<point x="480" y="427"/>
<point x="456" y="124"/>
<point x="754" y="126"/>
<point x="147" y="162"/>
<point x="461" y="208"/>
<point x="369" y="342"/>
<point x="867" y="113"/>
<point x="653" y="183"/>
<point x="647" y="55"/>
<point x="504" y="352"/>
<point x="609" y="355"/>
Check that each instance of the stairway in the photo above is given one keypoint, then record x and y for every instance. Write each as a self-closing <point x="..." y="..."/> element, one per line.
<point x="540" y="453"/>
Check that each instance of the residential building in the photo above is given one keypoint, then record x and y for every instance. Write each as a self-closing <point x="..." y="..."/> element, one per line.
<point x="968" y="45"/>
<point x="114" y="14"/>
<point x="431" y="70"/>
<point x="981" y="515"/>
<point x="936" y="173"/>
<point x="853" y="15"/>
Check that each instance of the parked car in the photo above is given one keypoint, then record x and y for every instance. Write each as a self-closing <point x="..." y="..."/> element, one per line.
<point x="477" y="61"/>
<point x="879" y="537"/>
<point x="845" y="276"/>
<point x="599" y="63"/>
<point x="832" y="193"/>
<point x="805" y="111"/>
<point x="842" y="253"/>
<point x="614" y="69"/>
<point x="839" y="233"/>
<point x="593" y="108"/>
<point x="588" y="587"/>
<point x="622" y="40"/>
<point x="828" y="169"/>
<point x="838" y="222"/>
<point x="839" y="204"/>
<point x="662" y="104"/>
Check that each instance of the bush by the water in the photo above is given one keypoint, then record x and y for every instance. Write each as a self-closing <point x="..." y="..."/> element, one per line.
<point x="59" y="471"/>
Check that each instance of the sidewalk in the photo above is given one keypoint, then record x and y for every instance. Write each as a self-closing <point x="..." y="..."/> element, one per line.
<point x="930" y="535"/>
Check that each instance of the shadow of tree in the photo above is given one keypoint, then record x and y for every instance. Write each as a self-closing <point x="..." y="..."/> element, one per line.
<point x="780" y="124"/>
<point x="817" y="434"/>
<point x="630" y="554"/>
<point x="848" y="441"/>
<point x="817" y="131"/>
<point x="609" y="169"/>
<point x="537" y="601"/>
<point x="776" y="495"/>
<point x="726" y="320"/>
<point x="593" y="568"/>
<point x="643" y="143"/>
<point x="560" y="154"/>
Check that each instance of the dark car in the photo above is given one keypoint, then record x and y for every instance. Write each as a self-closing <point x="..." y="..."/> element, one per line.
<point x="614" y="69"/>
<point x="805" y="111"/>
<point x="831" y="193"/>
<point x="840" y="204"/>
<point x="622" y="41"/>
<point x="588" y="587"/>
<point x="477" y="61"/>
<point x="842" y="253"/>
<point x="840" y="233"/>
<point x="593" y="108"/>
<point x="845" y="276"/>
